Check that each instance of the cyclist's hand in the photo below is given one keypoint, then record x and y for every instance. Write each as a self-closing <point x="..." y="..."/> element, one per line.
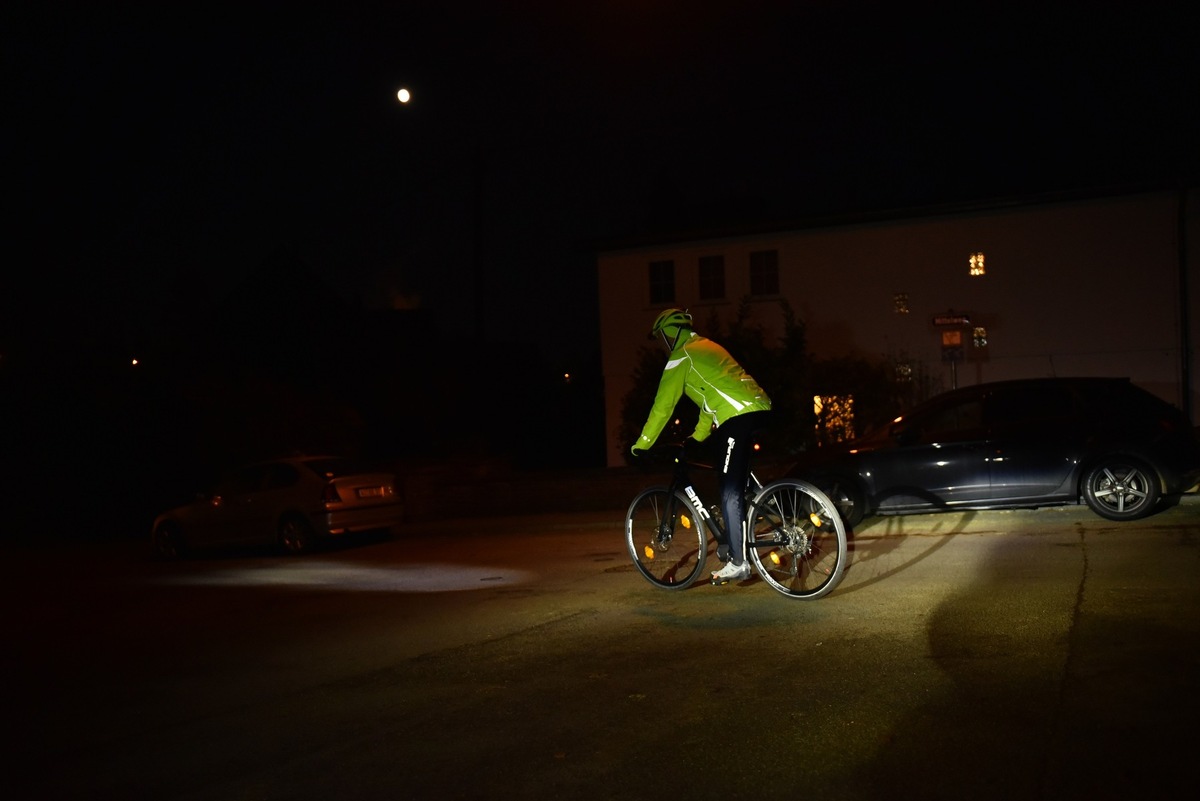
<point x="639" y="454"/>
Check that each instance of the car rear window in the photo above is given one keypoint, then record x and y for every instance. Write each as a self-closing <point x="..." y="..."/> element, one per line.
<point x="1126" y="402"/>
<point x="335" y="467"/>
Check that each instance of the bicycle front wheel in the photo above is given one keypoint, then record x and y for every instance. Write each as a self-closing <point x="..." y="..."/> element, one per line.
<point x="666" y="540"/>
<point x="797" y="540"/>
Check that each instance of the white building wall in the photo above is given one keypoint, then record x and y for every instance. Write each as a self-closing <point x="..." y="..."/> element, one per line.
<point x="1087" y="287"/>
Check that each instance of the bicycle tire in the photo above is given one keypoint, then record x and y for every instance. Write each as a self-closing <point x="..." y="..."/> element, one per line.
<point x="797" y="540"/>
<point x="667" y="542"/>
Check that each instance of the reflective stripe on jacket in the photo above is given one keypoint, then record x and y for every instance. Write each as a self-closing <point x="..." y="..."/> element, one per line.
<point x="712" y="379"/>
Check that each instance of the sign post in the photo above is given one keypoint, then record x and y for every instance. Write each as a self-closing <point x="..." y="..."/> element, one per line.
<point x="952" y="324"/>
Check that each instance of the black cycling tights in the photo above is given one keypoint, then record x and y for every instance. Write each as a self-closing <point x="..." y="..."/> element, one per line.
<point x="735" y="443"/>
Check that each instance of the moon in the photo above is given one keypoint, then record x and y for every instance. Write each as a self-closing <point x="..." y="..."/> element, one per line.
<point x="404" y="96"/>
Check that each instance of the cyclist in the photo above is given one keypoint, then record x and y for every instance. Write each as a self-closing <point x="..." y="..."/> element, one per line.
<point x="729" y="400"/>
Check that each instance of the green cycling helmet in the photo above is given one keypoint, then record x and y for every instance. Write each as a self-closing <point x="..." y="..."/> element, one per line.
<point x="671" y="318"/>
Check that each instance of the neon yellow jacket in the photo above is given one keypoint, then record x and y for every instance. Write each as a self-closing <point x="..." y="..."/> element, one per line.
<point x="712" y="379"/>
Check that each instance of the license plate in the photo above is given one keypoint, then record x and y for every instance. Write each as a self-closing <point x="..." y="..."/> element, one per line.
<point x="370" y="492"/>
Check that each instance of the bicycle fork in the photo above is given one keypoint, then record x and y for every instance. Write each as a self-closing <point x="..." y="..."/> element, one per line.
<point x="676" y="513"/>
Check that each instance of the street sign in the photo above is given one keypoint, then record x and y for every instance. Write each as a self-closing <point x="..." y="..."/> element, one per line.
<point x="952" y="345"/>
<point x="955" y="319"/>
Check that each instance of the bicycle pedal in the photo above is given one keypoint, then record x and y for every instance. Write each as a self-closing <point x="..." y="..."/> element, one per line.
<point x="720" y="577"/>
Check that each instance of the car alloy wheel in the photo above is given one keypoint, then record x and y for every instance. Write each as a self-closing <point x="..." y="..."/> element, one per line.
<point x="295" y="534"/>
<point x="169" y="542"/>
<point x="1121" y="488"/>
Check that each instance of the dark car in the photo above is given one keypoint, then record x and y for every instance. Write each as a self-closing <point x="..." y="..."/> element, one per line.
<point x="293" y="503"/>
<point x="1016" y="444"/>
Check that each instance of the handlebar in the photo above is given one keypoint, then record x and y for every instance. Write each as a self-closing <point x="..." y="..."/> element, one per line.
<point x="672" y="454"/>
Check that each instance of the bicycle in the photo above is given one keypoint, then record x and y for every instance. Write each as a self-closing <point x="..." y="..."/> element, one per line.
<point x="794" y="536"/>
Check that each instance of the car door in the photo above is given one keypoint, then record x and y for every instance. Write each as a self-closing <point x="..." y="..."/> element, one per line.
<point x="282" y="493"/>
<point x="236" y="505"/>
<point x="940" y="459"/>
<point x="1037" y="436"/>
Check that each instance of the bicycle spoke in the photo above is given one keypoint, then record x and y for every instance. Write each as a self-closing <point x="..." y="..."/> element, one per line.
<point x="668" y="546"/>
<point x="798" y="541"/>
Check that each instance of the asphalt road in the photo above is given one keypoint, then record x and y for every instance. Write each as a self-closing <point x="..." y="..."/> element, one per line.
<point x="1007" y="655"/>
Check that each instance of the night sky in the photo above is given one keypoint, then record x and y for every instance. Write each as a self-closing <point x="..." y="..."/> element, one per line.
<point x="159" y="149"/>
<point x="234" y="188"/>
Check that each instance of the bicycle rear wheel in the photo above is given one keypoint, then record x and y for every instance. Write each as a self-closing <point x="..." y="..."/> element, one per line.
<point x="797" y="539"/>
<point x="668" y="544"/>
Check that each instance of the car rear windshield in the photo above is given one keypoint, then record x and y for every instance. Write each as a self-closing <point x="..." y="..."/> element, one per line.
<point x="336" y="467"/>
<point x="1126" y="401"/>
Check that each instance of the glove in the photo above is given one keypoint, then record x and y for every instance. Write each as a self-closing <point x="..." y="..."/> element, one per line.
<point x="638" y="453"/>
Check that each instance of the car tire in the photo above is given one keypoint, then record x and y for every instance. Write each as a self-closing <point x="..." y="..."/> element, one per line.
<point x="1121" y="488"/>
<point x="168" y="542"/>
<point x="295" y="535"/>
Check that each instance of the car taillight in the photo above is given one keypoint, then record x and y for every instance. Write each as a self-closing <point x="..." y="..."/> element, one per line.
<point x="330" y="495"/>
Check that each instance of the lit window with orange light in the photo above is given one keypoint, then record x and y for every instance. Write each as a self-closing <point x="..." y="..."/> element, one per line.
<point x="975" y="262"/>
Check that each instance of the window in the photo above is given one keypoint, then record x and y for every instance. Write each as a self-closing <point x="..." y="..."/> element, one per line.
<point x="662" y="281"/>
<point x="900" y="302"/>
<point x="1022" y="409"/>
<point x="959" y="422"/>
<point x="712" y="277"/>
<point x="764" y="272"/>
<point x="975" y="262"/>
<point x="281" y="475"/>
<point x="242" y="481"/>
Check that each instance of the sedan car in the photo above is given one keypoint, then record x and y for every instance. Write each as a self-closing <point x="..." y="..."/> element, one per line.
<point x="293" y="503"/>
<point x="1016" y="444"/>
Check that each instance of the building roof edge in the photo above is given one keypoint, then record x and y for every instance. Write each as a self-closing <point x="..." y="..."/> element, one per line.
<point x="865" y="217"/>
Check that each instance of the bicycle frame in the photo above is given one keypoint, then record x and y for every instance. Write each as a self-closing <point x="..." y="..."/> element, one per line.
<point x="681" y="482"/>
<point x="792" y="533"/>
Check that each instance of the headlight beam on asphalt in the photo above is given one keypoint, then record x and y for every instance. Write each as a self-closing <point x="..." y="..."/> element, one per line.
<point x="348" y="577"/>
